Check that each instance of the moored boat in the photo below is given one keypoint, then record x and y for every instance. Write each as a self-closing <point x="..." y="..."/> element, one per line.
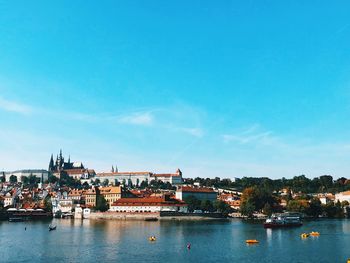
<point x="283" y="220"/>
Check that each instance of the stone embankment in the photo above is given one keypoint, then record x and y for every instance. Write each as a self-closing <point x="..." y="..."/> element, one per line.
<point x="154" y="216"/>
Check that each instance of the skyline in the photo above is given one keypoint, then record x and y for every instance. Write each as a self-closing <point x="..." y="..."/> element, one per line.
<point x="225" y="89"/>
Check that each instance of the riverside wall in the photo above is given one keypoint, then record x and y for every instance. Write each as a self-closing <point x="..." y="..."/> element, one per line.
<point x="154" y="216"/>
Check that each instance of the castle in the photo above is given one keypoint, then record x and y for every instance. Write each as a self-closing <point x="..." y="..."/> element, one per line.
<point x="60" y="165"/>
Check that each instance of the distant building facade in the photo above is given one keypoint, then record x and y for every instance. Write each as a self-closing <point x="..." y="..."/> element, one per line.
<point x="124" y="178"/>
<point x="174" y="179"/>
<point x="136" y="178"/>
<point x="200" y="193"/>
<point x="42" y="174"/>
<point x="343" y="196"/>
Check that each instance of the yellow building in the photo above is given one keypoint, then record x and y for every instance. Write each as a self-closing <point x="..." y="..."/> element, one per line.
<point x="90" y="197"/>
<point x="111" y="193"/>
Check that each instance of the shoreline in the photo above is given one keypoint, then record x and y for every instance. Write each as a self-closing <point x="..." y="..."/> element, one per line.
<point x="151" y="217"/>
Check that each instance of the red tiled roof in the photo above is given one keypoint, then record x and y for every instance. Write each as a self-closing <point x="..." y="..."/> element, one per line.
<point x="75" y="171"/>
<point x="165" y="175"/>
<point x="196" y="190"/>
<point x="148" y="201"/>
<point x="121" y="173"/>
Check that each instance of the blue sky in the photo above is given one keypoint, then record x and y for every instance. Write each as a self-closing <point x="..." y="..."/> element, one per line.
<point x="228" y="89"/>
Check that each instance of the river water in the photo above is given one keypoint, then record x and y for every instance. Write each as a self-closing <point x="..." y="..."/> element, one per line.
<point x="211" y="241"/>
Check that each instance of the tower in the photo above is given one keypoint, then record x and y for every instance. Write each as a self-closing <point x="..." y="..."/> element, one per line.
<point x="51" y="164"/>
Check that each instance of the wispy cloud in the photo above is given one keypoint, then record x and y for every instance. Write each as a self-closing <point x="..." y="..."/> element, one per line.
<point x="197" y="132"/>
<point x="13" y="106"/>
<point x="247" y="136"/>
<point x="139" y="118"/>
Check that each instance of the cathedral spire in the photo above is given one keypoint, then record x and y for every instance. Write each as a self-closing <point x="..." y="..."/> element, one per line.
<point x="51" y="164"/>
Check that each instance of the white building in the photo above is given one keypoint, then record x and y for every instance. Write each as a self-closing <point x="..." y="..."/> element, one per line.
<point x="148" y="205"/>
<point x="342" y="196"/>
<point x="8" y="200"/>
<point x="127" y="178"/>
<point x="136" y="178"/>
<point x="42" y="174"/>
<point x="174" y="179"/>
<point x="61" y="203"/>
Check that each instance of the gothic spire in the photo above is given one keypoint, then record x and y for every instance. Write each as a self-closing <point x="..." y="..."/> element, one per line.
<point x="51" y="164"/>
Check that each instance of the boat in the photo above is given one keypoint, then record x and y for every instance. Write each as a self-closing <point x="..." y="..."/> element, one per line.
<point x="304" y="235"/>
<point x="52" y="228"/>
<point x="152" y="238"/>
<point x="283" y="220"/>
<point x="151" y="219"/>
<point x="252" y="241"/>
<point x="314" y="234"/>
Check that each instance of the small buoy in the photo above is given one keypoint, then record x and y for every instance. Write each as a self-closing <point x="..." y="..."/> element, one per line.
<point x="252" y="241"/>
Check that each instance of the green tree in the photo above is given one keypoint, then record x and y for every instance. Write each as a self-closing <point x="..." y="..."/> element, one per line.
<point x="332" y="210"/>
<point x="143" y="184"/>
<point x="13" y="179"/>
<point x="247" y="207"/>
<point x="300" y="206"/>
<point x="86" y="185"/>
<point x="222" y="207"/>
<point x="48" y="204"/>
<point x="97" y="182"/>
<point x="193" y="203"/>
<point x="52" y="179"/>
<point x="315" y="208"/>
<point x="206" y="205"/>
<point x="101" y="203"/>
<point x="24" y="180"/>
<point x="33" y="180"/>
<point x="105" y="182"/>
<point x="267" y="209"/>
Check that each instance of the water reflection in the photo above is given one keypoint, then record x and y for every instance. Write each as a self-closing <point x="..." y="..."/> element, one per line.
<point x="212" y="241"/>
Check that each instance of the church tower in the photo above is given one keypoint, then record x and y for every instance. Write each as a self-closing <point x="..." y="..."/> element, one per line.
<point x="51" y="164"/>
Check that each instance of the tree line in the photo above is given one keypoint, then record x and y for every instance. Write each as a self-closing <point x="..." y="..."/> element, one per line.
<point x="301" y="183"/>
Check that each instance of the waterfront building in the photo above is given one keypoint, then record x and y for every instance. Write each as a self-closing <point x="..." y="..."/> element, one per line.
<point x="75" y="195"/>
<point x="200" y="193"/>
<point x="149" y="205"/>
<point x="343" y="196"/>
<point x="326" y="198"/>
<point x="90" y="197"/>
<point x="8" y="200"/>
<point x="39" y="173"/>
<point x="111" y="193"/>
<point x="78" y="212"/>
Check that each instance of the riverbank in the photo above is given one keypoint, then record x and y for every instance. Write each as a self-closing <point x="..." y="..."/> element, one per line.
<point x="154" y="216"/>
